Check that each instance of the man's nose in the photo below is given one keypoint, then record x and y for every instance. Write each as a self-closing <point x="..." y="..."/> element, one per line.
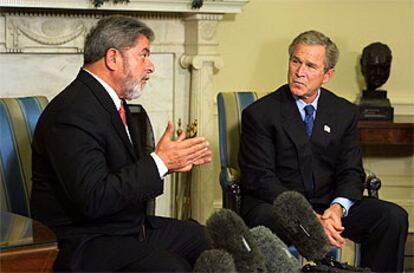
<point x="300" y="70"/>
<point x="150" y="67"/>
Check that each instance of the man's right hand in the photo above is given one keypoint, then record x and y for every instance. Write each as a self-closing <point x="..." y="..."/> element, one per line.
<point x="182" y="154"/>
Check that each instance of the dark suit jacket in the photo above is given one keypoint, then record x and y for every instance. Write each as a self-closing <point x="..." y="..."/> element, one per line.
<point x="88" y="179"/>
<point x="276" y="154"/>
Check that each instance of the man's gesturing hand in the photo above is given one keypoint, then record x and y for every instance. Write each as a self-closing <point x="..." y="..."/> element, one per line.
<point x="180" y="155"/>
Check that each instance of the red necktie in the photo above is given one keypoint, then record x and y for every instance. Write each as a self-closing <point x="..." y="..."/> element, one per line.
<point x="122" y="114"/>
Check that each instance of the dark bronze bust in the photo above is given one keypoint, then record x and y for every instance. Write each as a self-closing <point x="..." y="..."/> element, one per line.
<point x="375" y="67"/>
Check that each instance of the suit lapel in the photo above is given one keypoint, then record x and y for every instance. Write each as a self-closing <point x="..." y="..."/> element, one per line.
<point x="324" y="121"/>
<point x="105" y="100"/>
<point x="292" y="122"/>
<point x="295" y="129"/>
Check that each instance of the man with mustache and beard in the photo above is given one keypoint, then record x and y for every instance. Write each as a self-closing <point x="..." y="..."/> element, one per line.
<point x="303" y="138"/>
<point x="92" y="177"/>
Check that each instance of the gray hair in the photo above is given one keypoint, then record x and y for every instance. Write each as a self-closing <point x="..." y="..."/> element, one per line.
<point x="120" y="32"/>
<point x="313" y="37"/>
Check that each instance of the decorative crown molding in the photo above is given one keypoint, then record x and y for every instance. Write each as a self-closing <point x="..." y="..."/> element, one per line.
<point x="185" y="6"/>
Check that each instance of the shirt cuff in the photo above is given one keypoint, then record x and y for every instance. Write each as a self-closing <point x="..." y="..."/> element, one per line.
<point x="162" y="169"/>
<point x="345" y="203"/>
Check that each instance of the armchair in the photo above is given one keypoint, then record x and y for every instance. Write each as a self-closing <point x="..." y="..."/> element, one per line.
<point x="27" y="245"/>
<point x="18" y="118"/>
<point x="230" y="106"/>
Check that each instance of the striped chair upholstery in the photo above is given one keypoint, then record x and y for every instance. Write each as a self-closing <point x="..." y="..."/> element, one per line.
<point x="18" y="118"/>
<point x="230" y="106"/>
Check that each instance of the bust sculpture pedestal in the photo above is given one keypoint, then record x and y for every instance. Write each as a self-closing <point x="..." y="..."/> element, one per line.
<point x="374" y="105"/>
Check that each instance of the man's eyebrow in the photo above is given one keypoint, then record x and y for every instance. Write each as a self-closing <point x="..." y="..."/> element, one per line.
<point x="312" y="63"/>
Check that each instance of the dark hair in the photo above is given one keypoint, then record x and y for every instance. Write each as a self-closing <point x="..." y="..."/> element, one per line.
<point x="313" y="37"/>
<point x="116" y="31"/>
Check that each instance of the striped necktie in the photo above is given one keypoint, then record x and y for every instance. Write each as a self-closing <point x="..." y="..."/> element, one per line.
<point x="309" y="118"/>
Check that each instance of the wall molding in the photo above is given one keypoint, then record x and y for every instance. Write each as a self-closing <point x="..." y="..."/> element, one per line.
<point x="403" y="106"/>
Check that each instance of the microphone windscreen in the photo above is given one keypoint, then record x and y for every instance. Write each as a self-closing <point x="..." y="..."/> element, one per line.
<point x="277" y="255"/>
<point x="295" y="216"/>
<point x="227" y="231"/>
<point x="215" y="261"/>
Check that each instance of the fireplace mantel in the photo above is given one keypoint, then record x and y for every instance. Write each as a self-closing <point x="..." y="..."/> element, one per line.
<point x="182" y="6"/>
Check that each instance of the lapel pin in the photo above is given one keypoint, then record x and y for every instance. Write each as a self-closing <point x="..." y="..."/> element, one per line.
<point x="327" y="129"/>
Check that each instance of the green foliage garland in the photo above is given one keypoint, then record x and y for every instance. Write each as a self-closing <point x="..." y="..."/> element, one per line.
<point x="196" y="4"/>
<point x="98" y="3"/>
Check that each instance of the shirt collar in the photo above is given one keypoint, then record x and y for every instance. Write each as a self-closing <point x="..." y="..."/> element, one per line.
<point x="111" y="92"/>
<point x="301" y="104"/>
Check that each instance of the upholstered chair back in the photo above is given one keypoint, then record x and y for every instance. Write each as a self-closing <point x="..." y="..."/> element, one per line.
<point x="18" y="118"/>
<point x="230" y="106"/>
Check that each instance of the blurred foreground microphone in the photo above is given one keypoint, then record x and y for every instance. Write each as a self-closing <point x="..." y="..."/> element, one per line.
<point x="215" y="261"/>
<point x="277" y="255"/>
<point x="296" y="217"/>
<point x="227" y="231"/>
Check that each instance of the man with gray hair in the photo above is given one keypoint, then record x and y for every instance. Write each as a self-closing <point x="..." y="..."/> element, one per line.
<point x="303" y="138"/>
<point x="92" y="173"/>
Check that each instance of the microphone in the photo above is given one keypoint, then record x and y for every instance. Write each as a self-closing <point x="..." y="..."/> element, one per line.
<point x="296" y="217"/>
<point x="277" y="255"/>
<point x="215" y="261"/>
<point x="227" y="231"/>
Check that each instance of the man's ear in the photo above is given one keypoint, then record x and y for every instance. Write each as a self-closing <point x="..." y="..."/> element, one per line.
<point x="112" y="58"/>
<point x="328" y="75"/>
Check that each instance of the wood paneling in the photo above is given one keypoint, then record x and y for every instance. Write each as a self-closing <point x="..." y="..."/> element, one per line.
<point x="398" y="132"/>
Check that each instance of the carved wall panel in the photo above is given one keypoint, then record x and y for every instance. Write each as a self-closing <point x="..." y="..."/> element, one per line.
<point x="41" y="34"/>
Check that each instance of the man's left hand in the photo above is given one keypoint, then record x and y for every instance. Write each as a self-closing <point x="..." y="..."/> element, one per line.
<point x="332" y="224"/>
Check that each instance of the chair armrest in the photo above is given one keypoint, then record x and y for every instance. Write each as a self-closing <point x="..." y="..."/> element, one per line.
<point x="229" y="181"/>
<point x="372" y="183"/>
<point x="151" y="207"/>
